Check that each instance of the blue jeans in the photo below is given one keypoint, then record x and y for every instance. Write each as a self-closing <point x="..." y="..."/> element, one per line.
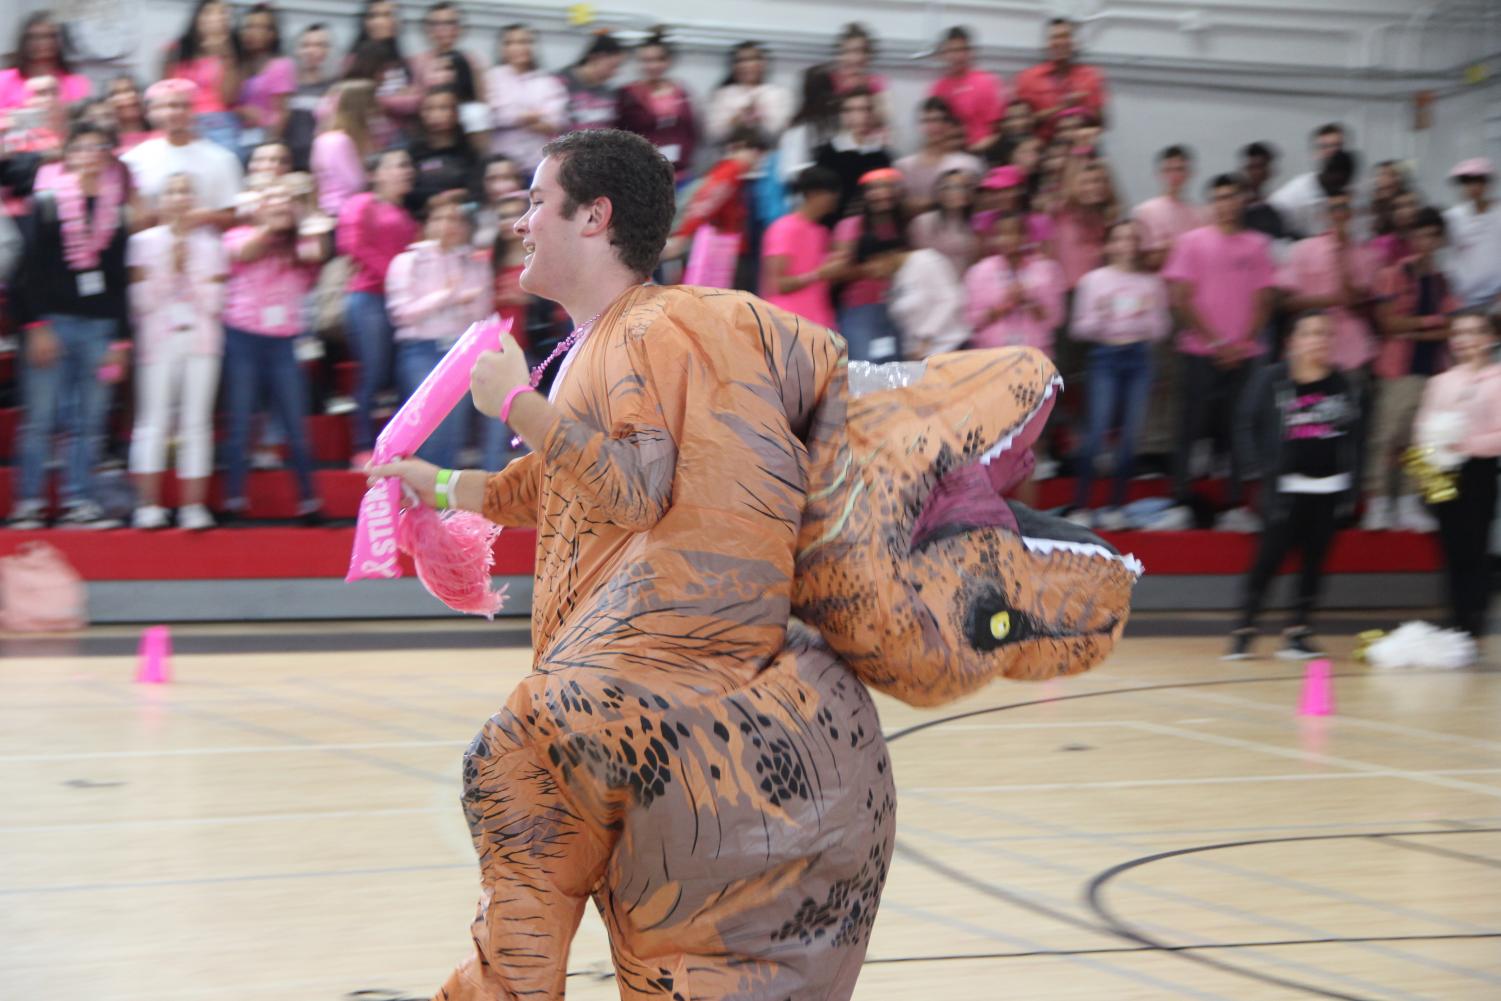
<point x="221" y="128"/>
<point x="1117" y="375"/>
<point x="66" y="394"/>
<point x="371" y="339"/>
<point x="869" y="333"/>
<point x="414" y="360"/>
<point x="257" y="366"/>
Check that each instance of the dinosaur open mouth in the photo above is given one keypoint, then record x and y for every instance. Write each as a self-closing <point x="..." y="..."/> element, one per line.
<point x="970" y="497"/>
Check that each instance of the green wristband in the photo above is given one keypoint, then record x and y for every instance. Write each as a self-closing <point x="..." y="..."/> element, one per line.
<point x="440" y="493"/>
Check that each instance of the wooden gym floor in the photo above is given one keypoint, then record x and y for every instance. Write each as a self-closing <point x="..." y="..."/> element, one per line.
<point x="284" y="825"/>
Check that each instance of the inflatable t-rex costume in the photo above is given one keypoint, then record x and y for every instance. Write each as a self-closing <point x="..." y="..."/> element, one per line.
<point x="713" y="776"/>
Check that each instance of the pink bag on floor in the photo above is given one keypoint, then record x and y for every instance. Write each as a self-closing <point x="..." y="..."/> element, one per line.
<point x="712" y="259"/>
<point x="40" y="592"/>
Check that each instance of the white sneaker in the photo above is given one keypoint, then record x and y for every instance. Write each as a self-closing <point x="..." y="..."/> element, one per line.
<point x="1239" y="519"/>
<point x="86" y="515"/>
<point x="1111" y="520"/>
<point x="1413" y="517"/>
<point x="194" y="517"/>
<point x="339" y="405"/>
<point x="149" y="516"/>
<point x="1378" y="515"/>
<point x="1081" y="516"/>
<point x="28" y="515"/>
<point x="1174" y="519"/>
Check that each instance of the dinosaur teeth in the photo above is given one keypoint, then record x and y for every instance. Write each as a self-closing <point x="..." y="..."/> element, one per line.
<point x="1054" y="384"/>
<point x="1046" y="546"/>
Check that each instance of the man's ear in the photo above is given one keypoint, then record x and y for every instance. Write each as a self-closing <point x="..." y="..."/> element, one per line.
<point x="597" y="216"/>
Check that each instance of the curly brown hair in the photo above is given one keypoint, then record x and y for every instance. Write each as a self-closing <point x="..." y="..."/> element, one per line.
<point x="633" y="175"/>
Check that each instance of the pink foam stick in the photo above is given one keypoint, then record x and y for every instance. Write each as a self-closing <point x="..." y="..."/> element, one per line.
<point x="374" y="554"/>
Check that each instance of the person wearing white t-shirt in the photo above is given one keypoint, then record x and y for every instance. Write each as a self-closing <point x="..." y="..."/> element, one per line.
<point x="216" y="173"/>
<point x="1475" y="237"/>
<point x="1300" y="201"/>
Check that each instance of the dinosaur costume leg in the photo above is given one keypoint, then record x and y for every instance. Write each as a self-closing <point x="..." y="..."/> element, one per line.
<point x="736" y="845"/>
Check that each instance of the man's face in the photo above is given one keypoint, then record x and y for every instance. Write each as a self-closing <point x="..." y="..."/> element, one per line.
<point x="1258" y="171"/>
<point x="1327" y="145"/>
<point x="312" y="51"/>
<point x="1427" y="240"/>
<point x="1061" y="43"/>
<point x="955" y="53"/>
<point x="444" y="28"/>
<point x="1228" y="203"/>
<point x="550" y="267"/>
<point x="1174" y="173"/>
<point x="174" y="113"/>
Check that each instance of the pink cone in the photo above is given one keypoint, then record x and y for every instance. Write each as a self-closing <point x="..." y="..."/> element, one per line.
<point x="1318" y="690"/>
<point x="154" y="663"/>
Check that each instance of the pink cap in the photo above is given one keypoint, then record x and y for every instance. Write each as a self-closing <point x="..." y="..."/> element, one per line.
<point x="1001" y="178"/>
<point x="1475" y="167"/>
<point x="170" y="86"/>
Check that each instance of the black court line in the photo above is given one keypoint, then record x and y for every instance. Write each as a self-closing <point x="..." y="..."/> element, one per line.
<point x="1449" y="853"/>
<point x="1113" y="925"/>
<point x="1200" y="947"/>
<point x="1094" y="898"/>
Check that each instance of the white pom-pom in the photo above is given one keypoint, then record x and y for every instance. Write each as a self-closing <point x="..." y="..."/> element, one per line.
<point x="1421" y="646"/>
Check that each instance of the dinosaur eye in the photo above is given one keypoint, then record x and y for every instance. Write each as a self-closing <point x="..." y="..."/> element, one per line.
<point x="992" y="623"/>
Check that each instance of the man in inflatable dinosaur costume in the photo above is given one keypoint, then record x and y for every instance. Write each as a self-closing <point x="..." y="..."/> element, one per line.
<point x="708" y="768"/>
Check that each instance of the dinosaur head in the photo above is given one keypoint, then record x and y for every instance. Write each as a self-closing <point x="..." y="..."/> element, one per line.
<point x="912" y="563"/>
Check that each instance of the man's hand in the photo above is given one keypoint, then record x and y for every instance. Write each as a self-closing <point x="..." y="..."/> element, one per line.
<point x="421" y="477"/>
<point x="495" y="374"/>
<point x="42" y="347"/>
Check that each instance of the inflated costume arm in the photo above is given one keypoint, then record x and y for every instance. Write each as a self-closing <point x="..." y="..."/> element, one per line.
<point x="620" y="453"/>
<point x="511" y="494"/>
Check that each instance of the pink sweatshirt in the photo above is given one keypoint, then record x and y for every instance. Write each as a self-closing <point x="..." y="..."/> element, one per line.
<point x="988" y="285"/>
<point x="1477" y="394"/>
<point x="264" y="296"/>
<point x="338" y="169"/>
<point x="1120" y="307"/>
<point x="163" y="302"/>
<point x="423" y="287"/>
<point x="373" y="232"/>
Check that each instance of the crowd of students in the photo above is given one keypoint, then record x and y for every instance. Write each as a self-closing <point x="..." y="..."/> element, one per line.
<point x="222" y="239"/>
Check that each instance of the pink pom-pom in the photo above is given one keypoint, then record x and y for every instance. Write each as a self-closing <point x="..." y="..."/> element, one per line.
<point x="453" y="551"/>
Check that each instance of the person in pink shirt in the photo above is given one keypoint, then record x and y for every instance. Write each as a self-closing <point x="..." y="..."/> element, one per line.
<point x="340" y="150"/>
<point x="39" y="52"/>
<point x="529" y="105"/>
<point x="1334" y="273"/>
<point x="1087" y="208"/>
<point x="373" y="229"/>
<point x="873" y="245"/>
<point x="795" y="262"/>
<point x="1461" y="415"/>
<point x="1015" y="294"/>
<point x="658" y="108"/>
<point x="1014" y="298"/>
<point x="977" y="97"/>
<point x="375" y="55"/>
<point x="1059" y="83"/>
<point x="1391" y="224"/>
<point x="177" y="275"/>
<point x="1121" y="309"/>
<point x="1161" y="221"/>
<point x="1168" y="216"/>
<point x="267" y="77"/>
<point x="271" y="269"/>
<point x="435" y="289"/>
<point x="208" y="54"/>
<point x="950" y="227"/>
<point x="1222" y="280"/>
